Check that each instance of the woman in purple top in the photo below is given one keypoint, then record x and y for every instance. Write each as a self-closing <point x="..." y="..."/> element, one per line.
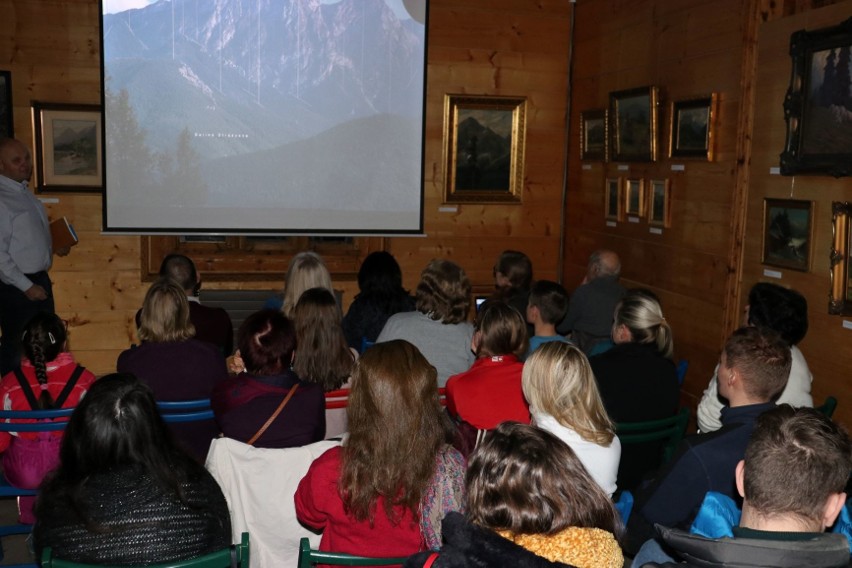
<point x="243" y="404"/>
<point x="174" y="364"/>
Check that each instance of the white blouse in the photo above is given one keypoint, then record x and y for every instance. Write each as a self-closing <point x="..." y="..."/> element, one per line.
<point x="601" y="462"/>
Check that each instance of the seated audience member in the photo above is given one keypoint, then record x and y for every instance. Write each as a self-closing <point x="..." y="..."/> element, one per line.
<point x="48" y="378"/>
<point x="385" y="491"/>
<point x="513" y="276"/>
<point x="560" y="387"/>
<point x="786" y="312"/>
<point x="323" y="356"/>
<point x="547" y="307"/>
<point x="380" y="296"/>
<point x="124" y="493"/>
<point x="637" y="378"/>
<point x="212" y="325"/>
<point x="172" y="362"/>
<point x="589" y="316"/>
<point x="796" y="466"/>
<point x="753" y="370"/>
<point x="267" y="405"/>
<point x="530" y="504"/>
<point x="439" y="328"/>
<point x="490" y="391"/>
<point x="306" y="270"/>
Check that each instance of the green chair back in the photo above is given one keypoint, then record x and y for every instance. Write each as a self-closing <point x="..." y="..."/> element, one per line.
<point x="308" y="558"/>
<point x="670" y="430"/>
<point x="828" y="406"/>
<point x="235" y="556"/>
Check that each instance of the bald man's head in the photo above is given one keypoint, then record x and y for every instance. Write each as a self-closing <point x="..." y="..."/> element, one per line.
<point x="15" y="160"/>
<point x="603" y="263"/>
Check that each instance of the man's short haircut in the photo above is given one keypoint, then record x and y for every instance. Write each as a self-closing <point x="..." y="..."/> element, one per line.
<point x="604" y="263"/>
<point x="780" y="309"/>
<point x="551" y="299"/>
<point x="763" y="360"/>
<point x="796" y="459"/>
<point x="181" y="269"/>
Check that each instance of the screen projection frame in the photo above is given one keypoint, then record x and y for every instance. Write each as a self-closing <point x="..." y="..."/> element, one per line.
<point x="414" y="218"/>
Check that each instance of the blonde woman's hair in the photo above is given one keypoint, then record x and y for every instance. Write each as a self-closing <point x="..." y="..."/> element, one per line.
<point x="165" y="313"/>
<point x="640" y="312"/>
<point x="307" y="270"/>
<point x="557" y="380"/>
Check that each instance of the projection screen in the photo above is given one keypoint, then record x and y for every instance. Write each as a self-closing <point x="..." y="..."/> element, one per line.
<point x="263" y="116"/>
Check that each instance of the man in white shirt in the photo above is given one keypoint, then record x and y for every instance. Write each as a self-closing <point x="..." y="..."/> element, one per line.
<point x="25" y="251"/>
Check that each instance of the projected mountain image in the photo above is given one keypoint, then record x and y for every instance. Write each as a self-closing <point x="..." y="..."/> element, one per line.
<point x="216" y="87"/>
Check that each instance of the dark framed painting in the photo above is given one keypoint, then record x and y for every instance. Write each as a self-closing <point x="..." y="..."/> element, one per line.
<point x="634" y="197"/>
<point x="612" y="199"/>
<point x="633" y="114"/>
<point x="692" y="128"/>
<point x="787" y="233"/>
<point x="7" y="124"/>
<point x="659" y="203"/>
<point x="818" y="104"/>
<point x="484" y="148"/>
<point x="593" y="135"/>
<point x="840" y="298"/>
<point x="69" y="147"/>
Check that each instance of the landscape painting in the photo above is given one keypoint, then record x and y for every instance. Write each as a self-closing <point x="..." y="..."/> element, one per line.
<point x="634" y="113"/>
<point x="692" y="128"/>
<point x="613" y="199"/>
<point x="593" y="136"/>
<point x="68" y="147"/>
<point x="818" y="104"/>
<point x="483" y="146"/>
<point x="787" y="231"/>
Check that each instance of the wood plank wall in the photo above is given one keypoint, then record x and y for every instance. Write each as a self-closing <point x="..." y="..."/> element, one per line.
<point x="494" y="47"/>
<point x="707" y="261"/>
<point x="827" y="345"/>
<point x="687" y="48"/>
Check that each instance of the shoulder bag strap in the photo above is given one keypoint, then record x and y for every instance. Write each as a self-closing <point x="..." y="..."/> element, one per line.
<point x="275" y="414"/>
<point x="26" y="389"/>
<point x="431" y="560"/>
<point x="69" y="386"/>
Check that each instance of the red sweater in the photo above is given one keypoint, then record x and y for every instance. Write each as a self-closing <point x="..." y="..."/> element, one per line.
<point x="489" y="393"/>
<point x="319" y="506"/>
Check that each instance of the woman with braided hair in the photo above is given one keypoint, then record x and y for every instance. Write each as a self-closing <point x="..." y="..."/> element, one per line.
<point x="48" y="378"/>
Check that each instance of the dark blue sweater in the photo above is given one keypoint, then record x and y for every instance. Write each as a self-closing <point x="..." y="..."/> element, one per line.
<point x="704" y="462"/>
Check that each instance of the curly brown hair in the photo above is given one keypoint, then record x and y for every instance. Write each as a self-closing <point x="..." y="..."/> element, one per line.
<point x="396" y="429"/>
<point x="444" y="292"/>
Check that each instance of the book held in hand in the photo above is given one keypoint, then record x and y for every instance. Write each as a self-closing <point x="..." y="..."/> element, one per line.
<point x="62" y="233"/>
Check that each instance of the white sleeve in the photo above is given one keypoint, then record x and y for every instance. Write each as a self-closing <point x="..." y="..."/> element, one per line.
<point x="798" y="390"/>
<point x="9" y="271"/>
<point x="710" y="408"/>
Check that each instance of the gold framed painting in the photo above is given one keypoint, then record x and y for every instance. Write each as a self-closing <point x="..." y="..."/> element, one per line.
<point x="633" y="113"/>
<point x="69" y="147"/>
<point x="787" y="233"/>
<point x="634" y="197"/>
<point x="593" y="135"/>
<point x="692" y="128"/>
<point x="659" y="203"/>
<point x="612" y="199"/>
<point x="484" y="139"/>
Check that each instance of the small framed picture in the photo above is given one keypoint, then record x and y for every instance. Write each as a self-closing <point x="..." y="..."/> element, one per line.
<point x="593" y="135"/>
<point x="658" y="203"/>
<point x="7" y="128"/>
<point x="787" y="233"/>
<point x="692" y="128"/>
<point x="613" y="205"/>
<point x="634" y="197"/>
<point x="69" y="147"/>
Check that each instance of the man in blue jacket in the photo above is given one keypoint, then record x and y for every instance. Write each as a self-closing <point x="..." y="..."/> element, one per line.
<point x="753" y="371"/>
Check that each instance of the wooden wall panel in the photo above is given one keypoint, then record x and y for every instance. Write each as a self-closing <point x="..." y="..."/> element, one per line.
<point x="687" y="48"/>
<point x="826" y="346"/>
<point x="490" y="47"/>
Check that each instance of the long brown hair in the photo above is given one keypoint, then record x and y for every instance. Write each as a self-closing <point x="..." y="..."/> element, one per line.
<point x="396" y="429"/>
<point x="322" y="354"/>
